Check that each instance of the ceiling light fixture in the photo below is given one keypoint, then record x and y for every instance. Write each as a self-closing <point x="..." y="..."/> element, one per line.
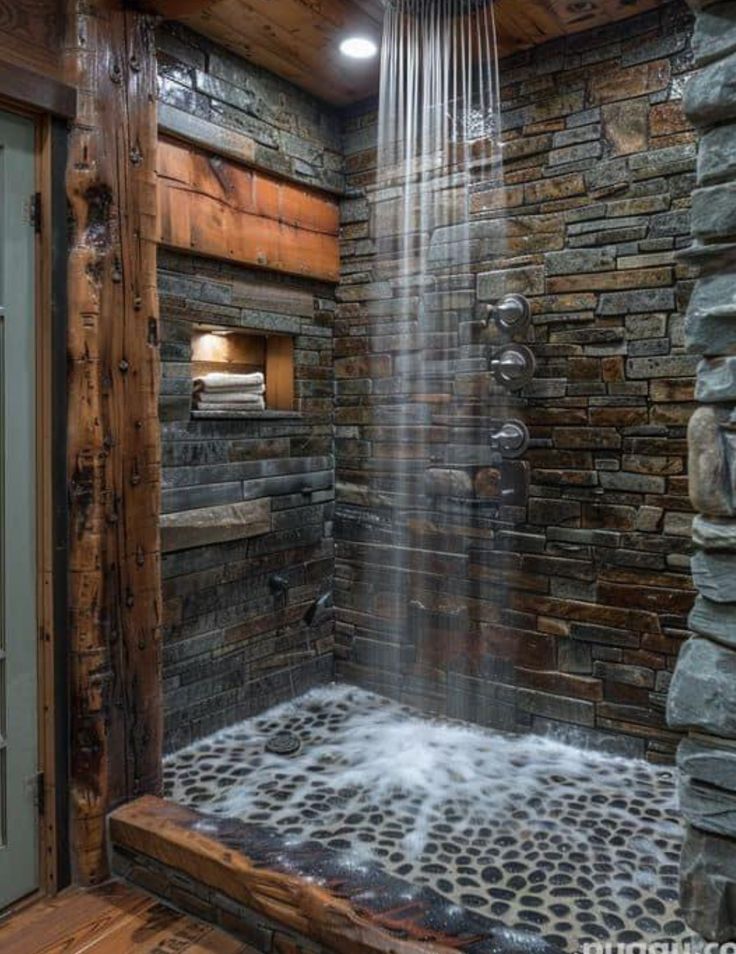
<point x="358" y="47"/>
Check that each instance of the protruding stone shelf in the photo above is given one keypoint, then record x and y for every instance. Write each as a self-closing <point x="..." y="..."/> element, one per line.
<point x="197" y="528"/>
<point x="282" y="896"/>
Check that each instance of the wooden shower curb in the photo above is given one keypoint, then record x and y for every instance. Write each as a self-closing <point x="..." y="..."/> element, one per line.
<point x="353" y="910"/>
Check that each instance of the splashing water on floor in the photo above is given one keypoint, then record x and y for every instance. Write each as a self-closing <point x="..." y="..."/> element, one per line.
<point x="575" y="845"/>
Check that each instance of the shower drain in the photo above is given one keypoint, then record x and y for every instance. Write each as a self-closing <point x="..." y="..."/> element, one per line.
<point x="283" y="743"/>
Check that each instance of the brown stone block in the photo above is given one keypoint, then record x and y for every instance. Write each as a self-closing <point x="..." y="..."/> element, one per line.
<point x="629" y="82"/>
<point x="587" y="437"/>
<point x="658" y="466"/>
<point x="618" y="416"/>
<point x="584" y="369"/>
<point x="618" y="692"/>
<point x="559" y="683"/>
<point x="667" y="118"/>
<point x="608" y="516"/>
<point x="672" y="390"/>
<point x="364" y="366"/>
<point x="612" y="281"/>
<point x="668" y="645"/>
<point x="675" y="415"/>
<point x="554" y="188"/>
<point x="493" y="199"/>
<point x="552" y="626"/>
<point x="625" y="126"/>
<point x="656" y="599"/>
<point x="613" y="369"/>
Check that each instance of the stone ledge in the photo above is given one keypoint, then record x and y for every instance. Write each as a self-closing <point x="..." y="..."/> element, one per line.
<point x="206" y="525"/>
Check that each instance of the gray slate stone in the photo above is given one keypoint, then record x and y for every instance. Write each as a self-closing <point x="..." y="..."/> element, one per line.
<point x="714" y="574"/>
<point x="713" y="213"/>
<point x="716" y="380"/>
<point x="710" y="96"/>
<point x="710" y="484"/>
<point x="714" y="534"/>
<point x="710" y="322"/>
<point x="706" y="807"/>
<point x="708" y="885"/>
<point x="717" y="155"/>
<point x="715" y="620"/>
<point x="703" y="690"/>
<point x="714" y="35"/>
<point x="708" y="760"/>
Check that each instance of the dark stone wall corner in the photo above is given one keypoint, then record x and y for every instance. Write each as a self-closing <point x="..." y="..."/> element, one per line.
<point x="702" y="697"/>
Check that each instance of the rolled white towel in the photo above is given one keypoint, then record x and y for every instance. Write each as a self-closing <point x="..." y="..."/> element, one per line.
<point x="222" y="381"/>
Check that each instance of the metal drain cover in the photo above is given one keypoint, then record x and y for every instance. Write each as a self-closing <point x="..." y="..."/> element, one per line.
<point x="283" y="743"/>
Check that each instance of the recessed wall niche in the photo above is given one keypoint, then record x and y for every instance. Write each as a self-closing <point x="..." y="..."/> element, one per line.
<point x="234" y="351"/>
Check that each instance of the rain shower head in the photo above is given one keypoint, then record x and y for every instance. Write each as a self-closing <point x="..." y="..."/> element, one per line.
<point x="450" y="7"/>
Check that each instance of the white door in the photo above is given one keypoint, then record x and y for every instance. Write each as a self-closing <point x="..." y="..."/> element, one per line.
<point x="18" y="631"/>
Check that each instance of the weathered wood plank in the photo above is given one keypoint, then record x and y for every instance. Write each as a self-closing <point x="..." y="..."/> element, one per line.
<point x="219" y="209"/>
<point x="169" y="833"/>
<point x="113" y="433"/>
<point x="300" y="41"/>
<point x="111" y="919"/>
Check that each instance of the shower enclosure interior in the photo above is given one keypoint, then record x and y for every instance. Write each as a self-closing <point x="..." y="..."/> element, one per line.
<point x="509" y="584"/>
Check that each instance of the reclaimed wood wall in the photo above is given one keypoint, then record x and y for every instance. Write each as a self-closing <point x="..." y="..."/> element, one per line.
<point x="113" y="441"/>
<point x="212" y="206"/>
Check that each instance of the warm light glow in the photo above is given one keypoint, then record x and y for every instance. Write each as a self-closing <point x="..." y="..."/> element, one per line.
<point x="358" y="47"/>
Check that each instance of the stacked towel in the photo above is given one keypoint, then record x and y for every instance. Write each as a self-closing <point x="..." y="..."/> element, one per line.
<point x="220" y="391"/>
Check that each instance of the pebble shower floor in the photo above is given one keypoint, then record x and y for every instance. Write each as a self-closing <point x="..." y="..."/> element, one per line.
<point x="575" y="846"/>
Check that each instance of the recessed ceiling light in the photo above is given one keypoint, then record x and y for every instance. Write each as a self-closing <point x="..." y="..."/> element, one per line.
<point x="358" y="47"/>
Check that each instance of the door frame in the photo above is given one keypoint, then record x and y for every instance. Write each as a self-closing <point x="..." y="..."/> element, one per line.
<point x="51" y="261"/>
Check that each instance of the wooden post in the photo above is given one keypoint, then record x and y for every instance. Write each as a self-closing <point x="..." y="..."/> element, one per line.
<point x="114" y="442"/>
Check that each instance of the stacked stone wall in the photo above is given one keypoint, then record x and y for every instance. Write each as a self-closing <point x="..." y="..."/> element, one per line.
<point x="554" y="591"/>
<point x="702" y="698"/>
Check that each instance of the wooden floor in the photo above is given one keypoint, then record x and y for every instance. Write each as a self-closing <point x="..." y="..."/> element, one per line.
<point x="112" y="919"/>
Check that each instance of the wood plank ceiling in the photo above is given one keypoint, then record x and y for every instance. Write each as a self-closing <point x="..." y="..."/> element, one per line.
<point x="299" y="39"/>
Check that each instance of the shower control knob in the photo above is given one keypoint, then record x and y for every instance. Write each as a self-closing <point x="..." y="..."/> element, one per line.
<point x="511" y="314"/>
<point x="512" y="439"/>
<point x="513" y="366"/>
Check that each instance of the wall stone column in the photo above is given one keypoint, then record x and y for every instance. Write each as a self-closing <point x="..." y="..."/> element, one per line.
<point x="702" y="696"/>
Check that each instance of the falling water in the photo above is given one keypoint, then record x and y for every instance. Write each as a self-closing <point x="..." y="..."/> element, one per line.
<point x="438" y="137"/>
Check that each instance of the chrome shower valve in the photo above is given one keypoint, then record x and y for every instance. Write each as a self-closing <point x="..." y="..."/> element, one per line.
<point x="512" y="439"/>
<point x="511" y="314"/>
<point x="513" y="366"/>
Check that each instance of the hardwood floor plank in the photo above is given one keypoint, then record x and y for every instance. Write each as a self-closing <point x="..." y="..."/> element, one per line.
<point x="114" y="918"/>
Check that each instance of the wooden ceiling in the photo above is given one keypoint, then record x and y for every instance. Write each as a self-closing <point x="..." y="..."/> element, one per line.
<point x="299" y="39"/>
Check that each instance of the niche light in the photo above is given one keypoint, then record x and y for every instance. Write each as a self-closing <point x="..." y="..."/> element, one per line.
<point x="358" y="48"/>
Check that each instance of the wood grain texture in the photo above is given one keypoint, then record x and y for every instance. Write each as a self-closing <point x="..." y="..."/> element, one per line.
<point x="299" y="39"/>
<point x="166" y="832"/>
<point x="31" y="35"/>
<point x="217" y="208"/>
<point x="113" y="434"/>
<point x="111" y="919"/>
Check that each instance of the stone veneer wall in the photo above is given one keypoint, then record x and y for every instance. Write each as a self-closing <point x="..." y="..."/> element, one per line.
<point x="599" y="168"/>
<point x="232" y="646"/>
<point x="224" y="103"/>
<point x="702" y="697"/>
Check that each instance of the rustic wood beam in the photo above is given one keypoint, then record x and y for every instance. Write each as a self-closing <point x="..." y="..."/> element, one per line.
<point x="218" y="208"/>
<point x="113" y="439"/>
<point x="172" y="9"/>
